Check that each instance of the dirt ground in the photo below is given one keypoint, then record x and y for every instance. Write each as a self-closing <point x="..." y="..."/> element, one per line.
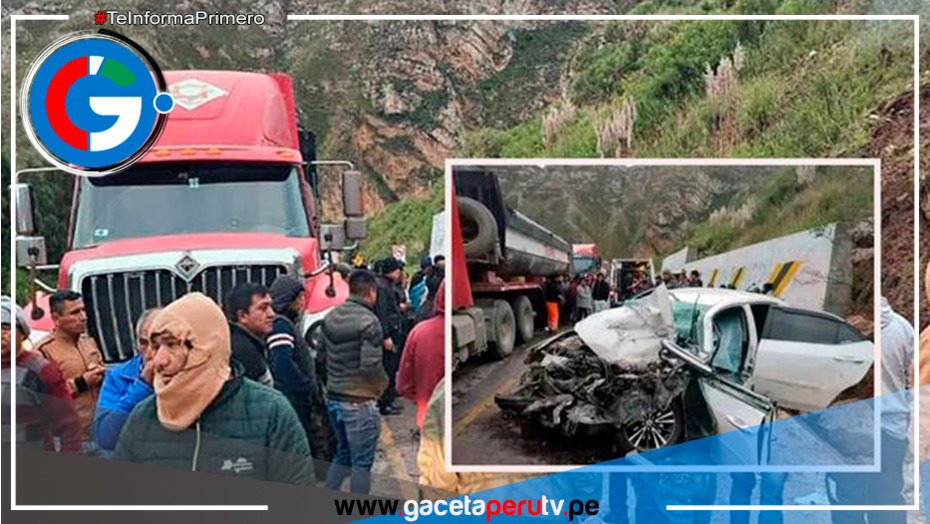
<point x="893" y="142"/>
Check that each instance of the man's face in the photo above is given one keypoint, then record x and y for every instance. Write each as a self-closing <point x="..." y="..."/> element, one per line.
<point x="441" y="264"/>
<point x="72" y="319"/>
<point x="143" y="340"/>
<point x="260" y="316"/>
<point x="169" y="356"/>
<point x="394" y="276"/>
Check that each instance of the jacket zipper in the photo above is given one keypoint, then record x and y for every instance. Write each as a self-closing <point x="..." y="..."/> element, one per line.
<point x="196" y="446"/>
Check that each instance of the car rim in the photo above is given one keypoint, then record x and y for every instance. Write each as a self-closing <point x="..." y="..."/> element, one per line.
<point x="653" y="431"/>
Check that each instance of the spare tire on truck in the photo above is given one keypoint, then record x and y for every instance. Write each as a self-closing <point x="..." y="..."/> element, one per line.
<point x="479" y="228"/>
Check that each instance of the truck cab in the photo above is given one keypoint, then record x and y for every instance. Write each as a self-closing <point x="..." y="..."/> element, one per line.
<point x="227" y="194"/>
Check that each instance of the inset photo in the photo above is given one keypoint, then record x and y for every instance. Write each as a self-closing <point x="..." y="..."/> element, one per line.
<point x="605" y="310"/>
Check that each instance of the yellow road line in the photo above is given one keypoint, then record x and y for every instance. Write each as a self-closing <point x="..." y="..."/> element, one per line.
<point x="481" y="407"/>
<point x="396" y="460"/>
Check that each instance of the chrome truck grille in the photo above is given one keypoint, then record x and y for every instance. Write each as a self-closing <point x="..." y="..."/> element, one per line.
<point x="115" y="301"/>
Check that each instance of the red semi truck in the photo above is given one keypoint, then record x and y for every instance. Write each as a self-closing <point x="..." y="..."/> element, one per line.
<point x="506" y="256"/>
<point x="228" y="193"/>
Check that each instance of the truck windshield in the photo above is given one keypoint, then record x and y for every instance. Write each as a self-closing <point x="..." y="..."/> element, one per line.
<point x="163" y="199"/>
<point x="583" y="264"/>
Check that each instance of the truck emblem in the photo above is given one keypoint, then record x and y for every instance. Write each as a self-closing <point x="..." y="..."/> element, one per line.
<point x="187" y="267"/>
<point x="192" y="93"/>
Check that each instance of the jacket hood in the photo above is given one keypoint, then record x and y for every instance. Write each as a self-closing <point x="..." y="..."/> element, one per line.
<point x="283" y="291"/>
<point x="198" y="322"/>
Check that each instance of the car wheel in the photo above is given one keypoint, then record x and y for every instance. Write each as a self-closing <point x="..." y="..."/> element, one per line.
<point x="525" y="317"/>
<point x="654" y="430"/>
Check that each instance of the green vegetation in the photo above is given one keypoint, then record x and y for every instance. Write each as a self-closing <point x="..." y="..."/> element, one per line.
<point x="783" y="204"/>
<point x="408" y="222"/>
<point x="802" y="88"/>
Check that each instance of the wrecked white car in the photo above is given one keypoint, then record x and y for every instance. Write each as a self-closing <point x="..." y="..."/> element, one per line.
<point x="685" y="363"/>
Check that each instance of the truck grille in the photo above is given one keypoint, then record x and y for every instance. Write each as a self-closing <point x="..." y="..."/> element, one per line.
<point x="115" y="301"/>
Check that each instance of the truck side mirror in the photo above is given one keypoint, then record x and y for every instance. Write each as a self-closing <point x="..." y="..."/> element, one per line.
<point x="332" y="237"/>
<point x="355" y="228"/>
<point x="25" y="216"/>
<point x="352" y="204"/>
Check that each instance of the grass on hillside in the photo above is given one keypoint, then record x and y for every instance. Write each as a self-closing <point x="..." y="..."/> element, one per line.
<point x="785" y="206"/>
<point x="806" y="91"/>
<point x="407" y="222"/>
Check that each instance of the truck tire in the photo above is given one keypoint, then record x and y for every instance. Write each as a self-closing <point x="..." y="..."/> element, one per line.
<point x="479" y="228"/>
<point x="505" y="329"/>
<point x="525" y="317"/>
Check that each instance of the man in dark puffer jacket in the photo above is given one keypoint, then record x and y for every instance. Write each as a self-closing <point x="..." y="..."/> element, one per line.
<point x="205" y="417"/>
<point x="294" y="370"/>
<point x="352" y="337"/>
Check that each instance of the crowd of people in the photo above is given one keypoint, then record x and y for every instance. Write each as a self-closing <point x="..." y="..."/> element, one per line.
<point x="236" y="389"/>
<point x="571" y="300"/>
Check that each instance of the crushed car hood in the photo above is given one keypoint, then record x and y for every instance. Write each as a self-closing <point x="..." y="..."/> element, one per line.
<point x="630" y="335"/>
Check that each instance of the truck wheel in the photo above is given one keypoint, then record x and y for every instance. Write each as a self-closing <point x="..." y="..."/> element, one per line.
<point x="505" y="329"/>
<point x="525" y="317"/>
<point x="479" y="227"/>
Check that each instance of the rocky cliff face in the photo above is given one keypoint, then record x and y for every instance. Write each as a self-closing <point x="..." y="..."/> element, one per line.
<point x="628" y="212"/>
<point x="395" y="97"/>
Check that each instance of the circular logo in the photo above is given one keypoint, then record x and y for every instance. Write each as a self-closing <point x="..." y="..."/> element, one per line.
<point x="94" y="103"/>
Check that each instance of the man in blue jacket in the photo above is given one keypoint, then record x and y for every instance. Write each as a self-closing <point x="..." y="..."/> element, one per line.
<point x="125" y="386"/>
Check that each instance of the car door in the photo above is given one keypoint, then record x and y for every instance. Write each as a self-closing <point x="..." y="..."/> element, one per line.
<point x="740" y="417"/>
<point x="738" y="412"/>
<point x="805" y="358"/>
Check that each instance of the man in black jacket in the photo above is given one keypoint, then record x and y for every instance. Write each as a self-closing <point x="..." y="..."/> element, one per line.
<point x="391" y="316"/>
<point x="601" y="293"/>
<point x="294" y="370"/>
<point x="352" y="338"/>
<point x="251" y="317"/>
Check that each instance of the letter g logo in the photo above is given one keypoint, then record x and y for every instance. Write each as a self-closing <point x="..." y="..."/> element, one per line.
<point x="94" y="103"/>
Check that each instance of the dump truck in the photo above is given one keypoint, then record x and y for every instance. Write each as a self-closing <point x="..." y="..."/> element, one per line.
<point x="507" y="256"/>
<point x="228" y="193"/>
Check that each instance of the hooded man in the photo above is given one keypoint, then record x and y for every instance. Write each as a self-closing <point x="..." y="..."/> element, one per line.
<point x="44" y="409"/>
<point x="205" y="416"/>
<point x="294" y="370"/>
<point x="422" y="365"/>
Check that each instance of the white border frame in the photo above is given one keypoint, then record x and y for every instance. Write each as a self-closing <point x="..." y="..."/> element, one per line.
<point x="874" y="163"/>
<point x="914" y="18"/>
